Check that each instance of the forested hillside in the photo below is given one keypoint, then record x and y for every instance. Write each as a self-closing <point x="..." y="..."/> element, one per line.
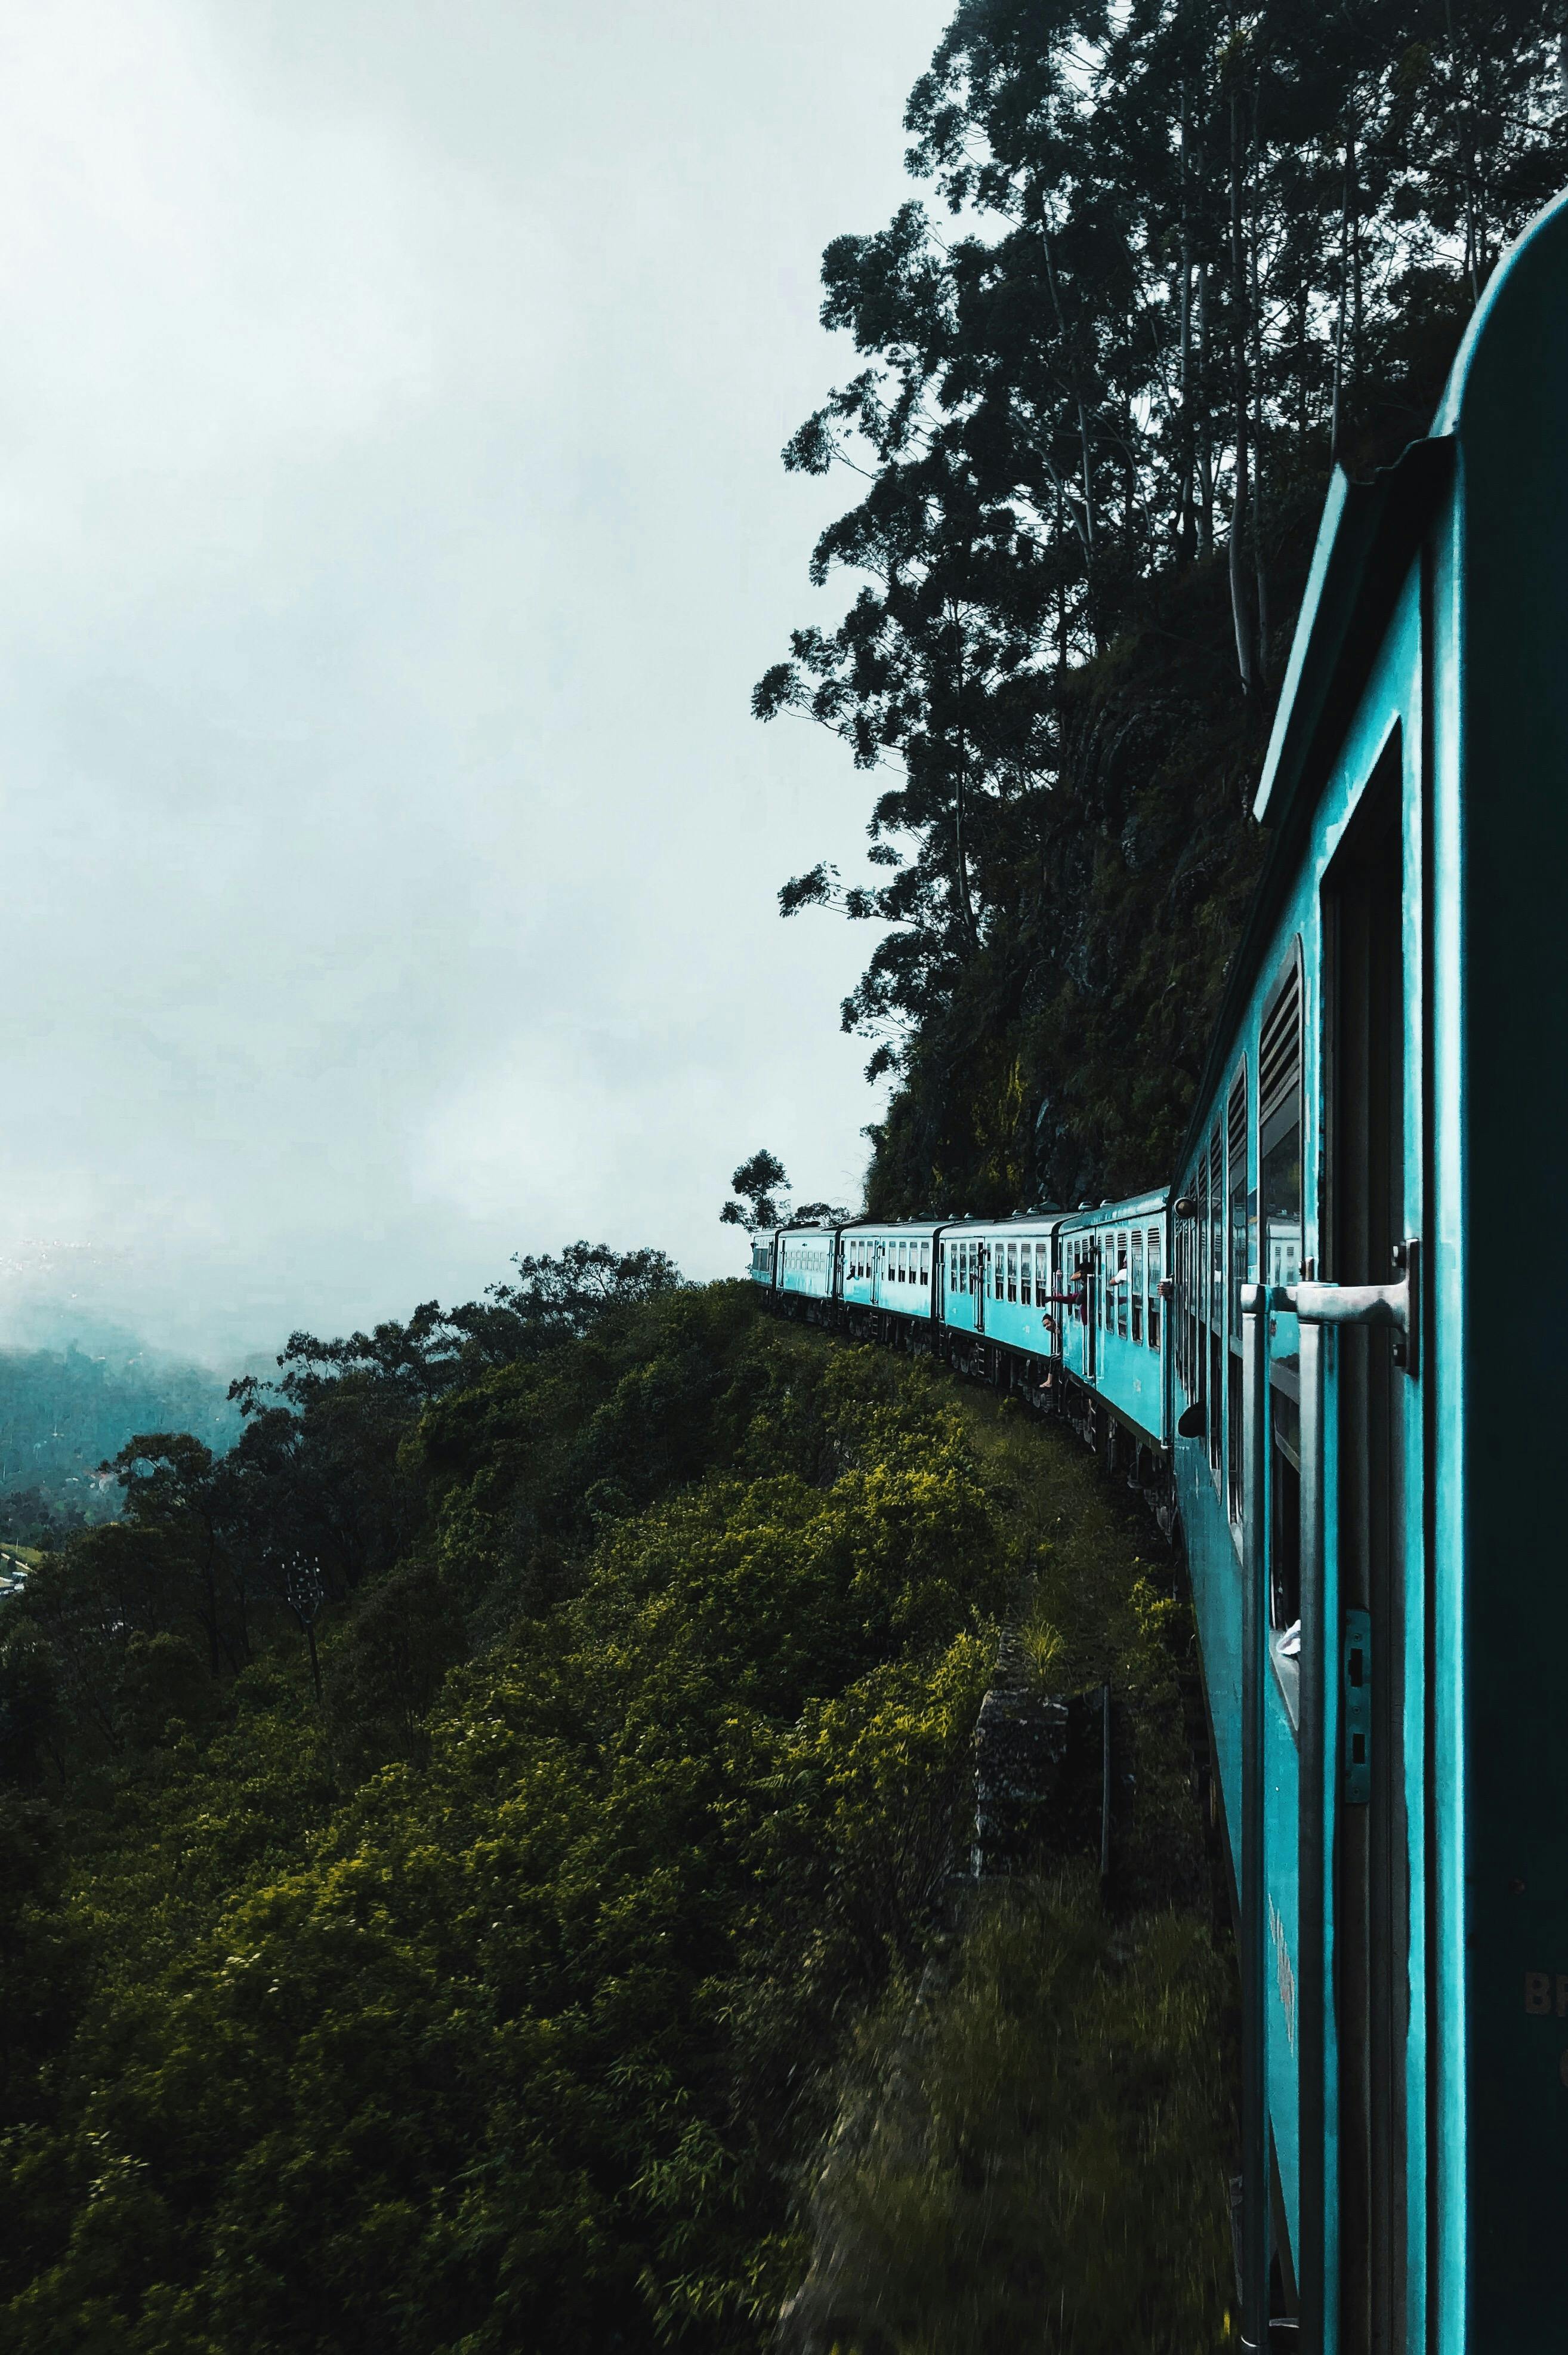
<point x="1170" y="263"/>
<point x="503" y="1929"/>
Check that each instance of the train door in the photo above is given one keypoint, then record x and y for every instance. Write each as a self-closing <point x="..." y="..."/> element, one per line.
<point x="1370" y="1416"/>
<point x="982" y="1258"/>
<point x="1334" y="1569"/>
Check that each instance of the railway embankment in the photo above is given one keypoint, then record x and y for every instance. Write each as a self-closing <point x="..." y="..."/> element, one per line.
<point x="598" y="1957"/>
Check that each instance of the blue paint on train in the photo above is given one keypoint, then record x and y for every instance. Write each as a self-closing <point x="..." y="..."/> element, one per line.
<point x="1310" y="1352"/>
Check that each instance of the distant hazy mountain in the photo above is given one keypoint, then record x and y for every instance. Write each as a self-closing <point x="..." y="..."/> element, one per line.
<point x="64" y="1411"/>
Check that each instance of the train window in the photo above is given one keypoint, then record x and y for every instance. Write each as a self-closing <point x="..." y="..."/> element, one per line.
<point x="1214" y="1286"/>
<point x="1279" y="1191"/>
<point x="998" y="1260"/>
<point x="1012" y="1271"/>
<point x="1154" y="1287"/>
<point x="1025" y="1284"/>
<point x="1122" y="1284"/>
<point x="1236" y="1199"/>
<point x="1136" y="1283"/>
<point x="926" y="1265"/>
<point x="1183" y="1240"/>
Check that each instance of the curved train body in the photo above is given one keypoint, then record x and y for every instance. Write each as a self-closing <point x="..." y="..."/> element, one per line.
<point x="1327" y="1349"/>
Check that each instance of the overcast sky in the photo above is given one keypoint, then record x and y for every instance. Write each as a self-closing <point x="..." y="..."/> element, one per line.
<point x="390" y="411"/>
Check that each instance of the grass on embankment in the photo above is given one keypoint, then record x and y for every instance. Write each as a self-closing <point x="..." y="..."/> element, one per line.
<point x="1032" y="2142"/>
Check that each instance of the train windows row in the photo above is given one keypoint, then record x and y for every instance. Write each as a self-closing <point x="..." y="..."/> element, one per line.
<point x="907" y="1263"/>
<point x="1234" y="1224"/>
<point x="1115" y="1280"/>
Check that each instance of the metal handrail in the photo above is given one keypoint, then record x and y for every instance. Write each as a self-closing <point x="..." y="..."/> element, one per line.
<point x="1393" y="1306"/>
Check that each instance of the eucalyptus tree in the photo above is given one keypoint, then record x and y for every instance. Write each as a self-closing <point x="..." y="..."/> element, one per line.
<point x="1173" y="259"/>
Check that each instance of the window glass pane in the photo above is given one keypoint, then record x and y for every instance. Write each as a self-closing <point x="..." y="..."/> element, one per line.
<point x="1238" y="1223"/>
<point x="1154" y="1287"/>
<point x="1137" y="1268"/>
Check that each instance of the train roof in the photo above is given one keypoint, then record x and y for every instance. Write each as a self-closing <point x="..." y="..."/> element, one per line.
<point x="1147" y="1205"/>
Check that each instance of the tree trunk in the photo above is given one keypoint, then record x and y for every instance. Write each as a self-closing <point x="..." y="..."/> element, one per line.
<point x="1337" y="414"/>
<point x="1241" y="603"/>
<point x="1260" y="566"/>
<point x="1186" y="523"/>
<point x="966" y="899"/>
<point x="1205" y="441"/>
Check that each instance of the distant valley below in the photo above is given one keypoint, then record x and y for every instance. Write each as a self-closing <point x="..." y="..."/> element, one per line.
<point x="65" y="1410"/>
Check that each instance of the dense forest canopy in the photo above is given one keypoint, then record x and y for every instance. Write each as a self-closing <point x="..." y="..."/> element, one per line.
<point x="1175" y="260"/>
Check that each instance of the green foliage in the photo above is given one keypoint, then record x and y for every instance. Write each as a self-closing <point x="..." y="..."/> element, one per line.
<point x="500" y="1995"/>
<point x="1033" y="2157"/>
<point x="758" y="1186"/>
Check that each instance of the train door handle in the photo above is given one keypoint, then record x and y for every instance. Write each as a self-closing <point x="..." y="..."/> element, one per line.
<point x="1392" y="1307"/>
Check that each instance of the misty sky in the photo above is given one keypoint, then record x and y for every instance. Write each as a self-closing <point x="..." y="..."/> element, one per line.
<point x="390" y="425"/>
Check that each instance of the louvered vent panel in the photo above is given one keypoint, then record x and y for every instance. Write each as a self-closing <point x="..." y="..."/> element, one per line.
<point x="1235" y="1120"/>
<point x="1280" y="1050"/>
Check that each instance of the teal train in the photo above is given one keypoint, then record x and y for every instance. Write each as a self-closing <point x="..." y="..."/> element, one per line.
<point x="1326" y="1352"/>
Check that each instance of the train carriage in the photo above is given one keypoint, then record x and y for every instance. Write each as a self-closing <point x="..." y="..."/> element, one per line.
<point x="1112" y="1263"/>
<point x="1348" y="1382"/>
<point x="806" y="1261"/>
<point x="999" y="1283"/>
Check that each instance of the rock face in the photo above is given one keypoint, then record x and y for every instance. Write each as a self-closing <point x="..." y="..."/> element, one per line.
<point x="1044" y="1772"/>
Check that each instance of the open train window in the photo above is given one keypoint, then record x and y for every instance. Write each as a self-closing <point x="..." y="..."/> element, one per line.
<point x="1279" y="1196"/>
<point x="1025" y="1288"/>
<point x="1154" y="1287"/>
<point x="1012" y="1271"/>
<point x="1136" y="1285"/>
